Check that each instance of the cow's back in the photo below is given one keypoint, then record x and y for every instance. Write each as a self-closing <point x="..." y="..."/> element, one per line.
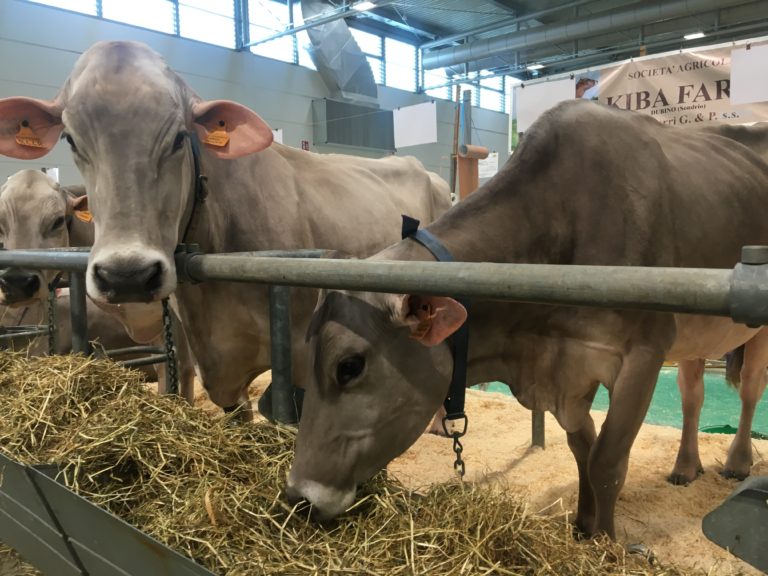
<point x="340" y="202"/>
<point x="596" y="185"/>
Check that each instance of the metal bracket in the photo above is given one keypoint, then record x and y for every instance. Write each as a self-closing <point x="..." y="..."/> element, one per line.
<point x="181" y="256"/>
<point x="749" y="287"/>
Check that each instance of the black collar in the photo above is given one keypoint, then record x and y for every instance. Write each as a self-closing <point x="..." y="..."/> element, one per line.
<point x="200" y="183"/>
<point x="454" y="403"/>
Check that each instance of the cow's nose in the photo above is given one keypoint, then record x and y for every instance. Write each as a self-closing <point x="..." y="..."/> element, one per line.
<point x="19" y="285"/>
<point x="327" y="502"/>
<point x="129" y="282"/>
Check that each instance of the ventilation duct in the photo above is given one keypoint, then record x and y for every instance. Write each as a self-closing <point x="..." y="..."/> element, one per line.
<point x="338" y="58"/>
<point x="340" y="123"/>
<point x="636" y="15"/>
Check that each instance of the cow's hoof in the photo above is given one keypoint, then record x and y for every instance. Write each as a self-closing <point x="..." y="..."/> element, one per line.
<point x="733" y="474"/>
<point x="683" y="479"/>
<point x="642" y="550"/>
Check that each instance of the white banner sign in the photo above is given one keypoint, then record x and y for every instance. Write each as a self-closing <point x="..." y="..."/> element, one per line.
<point x="680" y="89"/>
<point x="415" y="124"/>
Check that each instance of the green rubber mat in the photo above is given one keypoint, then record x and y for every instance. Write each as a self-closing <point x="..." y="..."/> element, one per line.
<point x="720" y="413"/>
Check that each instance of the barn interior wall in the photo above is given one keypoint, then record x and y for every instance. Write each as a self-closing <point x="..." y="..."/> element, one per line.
<point x="39" y="45"/>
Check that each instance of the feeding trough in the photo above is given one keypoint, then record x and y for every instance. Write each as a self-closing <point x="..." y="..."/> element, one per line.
<point x="740" y="523"/>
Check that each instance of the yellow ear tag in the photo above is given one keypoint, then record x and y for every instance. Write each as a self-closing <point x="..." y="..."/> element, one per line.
<point x="218" y="136"/>
<point x="25" y="136"/>
<point x="84" y="215"/>
<point x="425" y="315"/>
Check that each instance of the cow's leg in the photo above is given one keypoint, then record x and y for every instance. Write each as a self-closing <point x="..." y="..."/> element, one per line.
<point x="609" y="458"/>
<point x="580" y="442"/>
<point x="751" y="390"/>
<point x="436" y="427"/>
<point x="690" y="380"/>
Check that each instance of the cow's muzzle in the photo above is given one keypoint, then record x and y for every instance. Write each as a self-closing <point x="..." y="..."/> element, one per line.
<point x="129" y="282"/>
<point x="19" y="286"/>
<point x="327" y="502"/>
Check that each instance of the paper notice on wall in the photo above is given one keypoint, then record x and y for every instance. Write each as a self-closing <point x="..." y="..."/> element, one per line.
<point x="533" y="99"/>
<point x="415" y="124"/>
<point x="52" y="173"/>
<point x="487" y="167"/>
<point x="749" y="75"/>
<point x="277" y="135"/>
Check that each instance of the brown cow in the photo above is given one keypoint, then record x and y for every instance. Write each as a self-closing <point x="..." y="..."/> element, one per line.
<point x="588" y="185"/>
<point x="132" y="123"/>
<point x="35" y="212"/>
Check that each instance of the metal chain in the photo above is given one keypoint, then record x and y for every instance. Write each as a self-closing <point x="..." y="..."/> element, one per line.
<point x="52" y="318"/>
<point x="458" y="464"/>
<point x="172" y="374"/>
<point x="455" y="427"/>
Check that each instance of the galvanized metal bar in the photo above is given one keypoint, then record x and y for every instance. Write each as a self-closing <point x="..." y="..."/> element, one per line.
<point x="10" y="332"/>
<point x="65" y="259"/>
<point x="684" y="290"/>
<point x="145" y="361"/>
<point x="537" y="428"/>
<point x="283" y="406"/>
<point x="498" y="24"/>
<point x="79" y="314"/>
<point x="134" y="350"/>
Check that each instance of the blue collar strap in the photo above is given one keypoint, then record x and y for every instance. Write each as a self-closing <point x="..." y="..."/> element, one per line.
<point x="454" y="403"/>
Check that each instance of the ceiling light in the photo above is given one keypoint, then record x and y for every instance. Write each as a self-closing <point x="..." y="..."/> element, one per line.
<point x="534" y="67"/>
<point x="694" y="35"/>
<point x="363" y="6"/>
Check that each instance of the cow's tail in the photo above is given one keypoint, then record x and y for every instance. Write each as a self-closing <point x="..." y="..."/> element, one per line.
<point x="734" y="360"/>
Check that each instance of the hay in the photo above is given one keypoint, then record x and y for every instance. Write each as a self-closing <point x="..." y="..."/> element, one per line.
<point x="210" y="488"/>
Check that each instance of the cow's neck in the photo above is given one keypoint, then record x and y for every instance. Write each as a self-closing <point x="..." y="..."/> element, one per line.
<point x="496" y="224"/>
<point x="236" y="216"/>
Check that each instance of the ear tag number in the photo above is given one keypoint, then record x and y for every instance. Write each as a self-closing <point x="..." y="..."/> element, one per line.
<point x="26" y="137"/>
<point x="218" y="136"/>
<point x="84" y="215"/>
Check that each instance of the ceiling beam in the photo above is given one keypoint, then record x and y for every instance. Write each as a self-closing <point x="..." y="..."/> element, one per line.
<point x="594" y="24"/>
<point x="501" y="24"/>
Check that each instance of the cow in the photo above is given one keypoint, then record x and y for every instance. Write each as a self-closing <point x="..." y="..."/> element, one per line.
<point x="35" y="212"/>
<point x="163" y="166"/>
<point x="588" y="185"/>
<point x="746" y="369"/>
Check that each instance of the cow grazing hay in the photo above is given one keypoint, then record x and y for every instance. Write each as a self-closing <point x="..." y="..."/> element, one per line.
<point x="210" y="488"/>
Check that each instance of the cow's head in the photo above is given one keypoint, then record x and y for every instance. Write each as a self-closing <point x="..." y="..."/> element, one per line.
<point x="380" y="369"/>
<point x="128" y="120"/>
<point x="34" y="211"/>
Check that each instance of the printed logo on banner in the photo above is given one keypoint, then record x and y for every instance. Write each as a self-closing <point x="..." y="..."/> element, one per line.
<point x="680" y="89"/>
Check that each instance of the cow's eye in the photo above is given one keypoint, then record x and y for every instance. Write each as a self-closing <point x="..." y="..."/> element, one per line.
<point x="179" y="141"/>
<point x="58" y="223"/>
<point x="349" y="369"/>
<point x="71" y="142"/>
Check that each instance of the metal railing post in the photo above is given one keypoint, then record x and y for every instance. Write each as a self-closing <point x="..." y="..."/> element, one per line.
<point x="79" y="314"/>
<point x="283" y="404"/>
<point x="537" y="428"/>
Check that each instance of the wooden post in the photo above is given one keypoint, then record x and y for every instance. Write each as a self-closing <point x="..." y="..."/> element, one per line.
<point x="468" y="170"/>
<point x="455" y="146"/>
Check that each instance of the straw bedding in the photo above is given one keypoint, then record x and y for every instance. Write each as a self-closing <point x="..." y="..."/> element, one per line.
<point x="211" y="488"/>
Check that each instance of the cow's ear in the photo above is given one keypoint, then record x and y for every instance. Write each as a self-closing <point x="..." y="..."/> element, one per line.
<point x="431" y="318"/>
<point x="78" y="205"/>
<point x="29" y="128"/>
<point x="229" y="129"/>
